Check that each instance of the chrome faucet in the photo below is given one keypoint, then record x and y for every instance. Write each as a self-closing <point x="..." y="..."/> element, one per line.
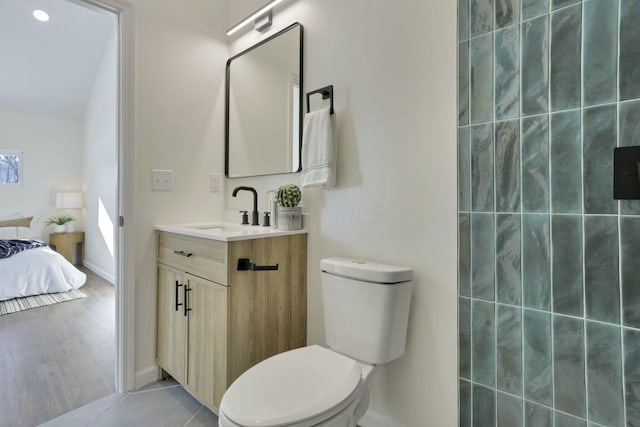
<point x="254" y="214"/>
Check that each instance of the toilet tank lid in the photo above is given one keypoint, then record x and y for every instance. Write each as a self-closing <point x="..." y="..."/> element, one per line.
<point x="366" y="271"/>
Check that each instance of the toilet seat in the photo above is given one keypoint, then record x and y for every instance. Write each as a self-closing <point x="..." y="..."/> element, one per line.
<point x="307" y="384"/>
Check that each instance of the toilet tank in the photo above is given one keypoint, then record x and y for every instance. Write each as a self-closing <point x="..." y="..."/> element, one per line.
<point x="366" y="308"/>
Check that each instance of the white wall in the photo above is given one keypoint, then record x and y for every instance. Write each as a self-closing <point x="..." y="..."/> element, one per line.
<point x="101" y="166"/>
<point x="181" y="51"/>
<point x="52" y="152"/>
<point x="393" y="67"/>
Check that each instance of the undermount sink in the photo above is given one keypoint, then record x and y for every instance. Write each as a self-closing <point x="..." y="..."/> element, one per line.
<point x="213" y="227"/>
<point x="225" y="231"/>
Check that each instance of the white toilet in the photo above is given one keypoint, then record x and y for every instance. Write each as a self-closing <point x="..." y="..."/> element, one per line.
<point x="366" y="310"/>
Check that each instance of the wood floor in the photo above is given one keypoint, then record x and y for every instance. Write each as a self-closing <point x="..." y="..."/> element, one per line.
<point x="57" y="358"/>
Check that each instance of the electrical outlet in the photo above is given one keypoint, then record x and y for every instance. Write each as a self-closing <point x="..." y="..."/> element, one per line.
<point x="160" y="180"/>
<point x="215" y="182"/>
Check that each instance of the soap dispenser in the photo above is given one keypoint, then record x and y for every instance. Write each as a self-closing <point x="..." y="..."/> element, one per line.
<point x="273" y="206"/>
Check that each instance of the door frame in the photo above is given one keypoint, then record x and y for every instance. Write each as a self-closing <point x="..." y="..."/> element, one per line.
<point x="125" y="198"/>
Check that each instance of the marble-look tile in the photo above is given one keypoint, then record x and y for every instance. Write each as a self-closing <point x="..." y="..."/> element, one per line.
<point x="563" y="420"/>
<point x="464" y="254"/>
<point x="465" y="404"/>
<point x="600" y="57"/>
<point x="557" y="4"/>
<point x="629" y="123"/>
<point x="566" y="231"/>
<point x="630" y="263"/>
<point x="532" y="8"/>
<point x="483" y="348"/>
<point x="507" y="73"/>
<point x="536" y="262"/>
<point x="169" y="407"/>
<point x="463" y="19"/>
<point x="535" y="66"/>
<point x="509" y="411"/>
<point x="464" y="337"/>
<point x="569" y="365"/>
<point x="629" y="131"/>
<point x="463" y="83"/>
<point x="482" y="168"/>
<point x="84" y="415"/>
<point x="602" y="287"/>
<point x="481" y="60"/>
<point x="535" y="164"/>
<point x="484" y="406"/>
<point x="566" y="58"/>
<point x="508" y="259"/>
<point x="507" y="166"/>
<point x="507" y="12"/>
<point x="599" y="140"/>
<point x="203" y="418"/>
<point x="537" y="416"/>
<point x="629" y="49"/>
<point x="483" y="256"/>
<point x="566" y="168"/>
<point x="509" y="349"/>
<point x="604" y="375"/>
<point x="632" y="375"/>
<point x="537" y="357"/>
<point x="481" y="17"/>
<point x="464" y="169"/>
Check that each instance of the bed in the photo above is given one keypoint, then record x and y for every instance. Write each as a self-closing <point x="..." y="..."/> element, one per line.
<point x="35" y="271"/>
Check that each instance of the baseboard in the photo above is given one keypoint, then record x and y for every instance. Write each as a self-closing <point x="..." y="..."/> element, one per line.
<point x="373" y="419"/>
<point x="146" y="376"/>
<point x="100" y="272"/>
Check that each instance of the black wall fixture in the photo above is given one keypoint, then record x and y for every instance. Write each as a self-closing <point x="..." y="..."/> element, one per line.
<point x="626" y="173"/>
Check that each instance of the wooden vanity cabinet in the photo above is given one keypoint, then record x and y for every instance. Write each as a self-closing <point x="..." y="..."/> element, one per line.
<point x="232" y="319"/>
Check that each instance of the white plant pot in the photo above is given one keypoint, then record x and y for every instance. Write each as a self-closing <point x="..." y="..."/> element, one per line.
<point x="289" y="218"/>
<point x="59" y="228"/>
<point x="70" y="226"/>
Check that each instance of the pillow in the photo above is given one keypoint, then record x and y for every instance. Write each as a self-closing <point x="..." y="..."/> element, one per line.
<point x="7" y="233"/>
<point x="13" y="215"/>
<point x="22" y="222"/>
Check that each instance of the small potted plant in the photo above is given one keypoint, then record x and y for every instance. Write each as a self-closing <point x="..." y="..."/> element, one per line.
<point x="60" y="222"/>
<point x="289" y="213"/>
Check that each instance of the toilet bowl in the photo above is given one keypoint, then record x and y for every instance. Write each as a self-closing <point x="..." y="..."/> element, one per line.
<point x="366" y="308"/>
<point x="310" y="386"/>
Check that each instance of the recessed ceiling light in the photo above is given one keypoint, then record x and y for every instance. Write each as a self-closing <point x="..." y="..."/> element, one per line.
<point x="41" y="15"/>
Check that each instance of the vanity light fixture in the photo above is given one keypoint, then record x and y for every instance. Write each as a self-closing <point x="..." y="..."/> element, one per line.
<point x="259" y="15"/>
<point x="41" y="15"/>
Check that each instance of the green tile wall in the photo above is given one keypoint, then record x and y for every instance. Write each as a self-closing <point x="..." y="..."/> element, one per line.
<point x="549" y="289"/>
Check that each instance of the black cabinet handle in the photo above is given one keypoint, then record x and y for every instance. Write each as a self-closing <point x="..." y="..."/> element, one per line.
<point x="187" y="289"/>
<point x="244" y="264"/>
<point x="183" y="253"/>
<point x="178" y="304"/>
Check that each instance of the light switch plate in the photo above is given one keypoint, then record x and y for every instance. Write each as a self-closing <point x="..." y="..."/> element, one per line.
<point x="215" y="182"/>
<point x="160" y="180"/>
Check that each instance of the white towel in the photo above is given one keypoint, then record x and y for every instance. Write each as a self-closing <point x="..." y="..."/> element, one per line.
<point x="318" y="157"/>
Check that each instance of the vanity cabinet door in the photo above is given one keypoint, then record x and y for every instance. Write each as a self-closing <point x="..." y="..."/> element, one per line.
<point x="172" y="322"/>
<point x="207" y="346"/>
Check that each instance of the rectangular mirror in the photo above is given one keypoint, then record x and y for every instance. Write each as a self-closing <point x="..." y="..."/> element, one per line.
<point x="264" y="107"/>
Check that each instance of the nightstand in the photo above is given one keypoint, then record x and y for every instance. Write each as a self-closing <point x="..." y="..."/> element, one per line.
<point x="63" y="243"/>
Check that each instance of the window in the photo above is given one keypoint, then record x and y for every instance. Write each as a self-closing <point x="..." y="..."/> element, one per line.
<point x="10" y="167"/>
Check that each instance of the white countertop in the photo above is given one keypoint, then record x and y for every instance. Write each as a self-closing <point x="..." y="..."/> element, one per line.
<point x="225" y="231"/>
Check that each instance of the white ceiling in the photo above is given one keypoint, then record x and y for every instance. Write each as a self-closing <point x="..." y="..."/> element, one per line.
<point x="49" y="68"/>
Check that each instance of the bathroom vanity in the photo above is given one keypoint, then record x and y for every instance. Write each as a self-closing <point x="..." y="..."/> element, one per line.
<point x="229" y="297"/>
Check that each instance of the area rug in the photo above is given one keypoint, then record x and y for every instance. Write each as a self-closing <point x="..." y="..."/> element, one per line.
<point x="27" y="303"/>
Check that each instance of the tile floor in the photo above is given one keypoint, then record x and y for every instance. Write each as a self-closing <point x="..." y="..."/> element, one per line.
<point x="162" y="404"/>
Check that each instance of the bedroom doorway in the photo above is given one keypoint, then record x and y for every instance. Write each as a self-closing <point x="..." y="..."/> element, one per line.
<point x="74" y="134"/>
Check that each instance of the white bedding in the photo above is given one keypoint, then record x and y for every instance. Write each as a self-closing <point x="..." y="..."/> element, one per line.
<point x="37" y="271"/>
